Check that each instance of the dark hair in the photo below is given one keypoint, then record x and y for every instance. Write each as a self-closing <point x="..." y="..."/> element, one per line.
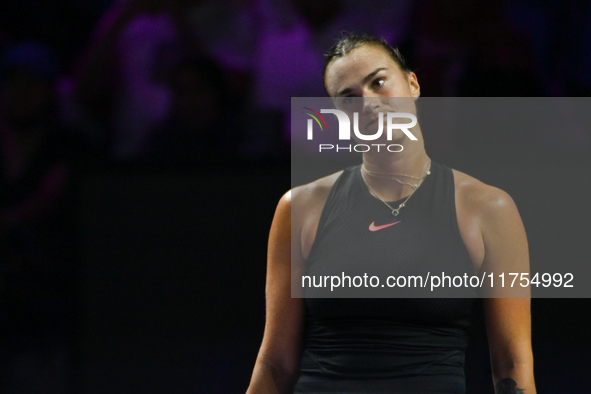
<point x="349" y="41"/>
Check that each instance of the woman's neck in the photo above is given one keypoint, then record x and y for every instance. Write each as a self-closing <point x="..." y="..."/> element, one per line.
<point x="409" y="162"/>
<point x="391" y="175"/>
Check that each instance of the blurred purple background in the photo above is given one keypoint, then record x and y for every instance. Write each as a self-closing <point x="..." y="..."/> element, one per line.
<point x="132" y="131"/>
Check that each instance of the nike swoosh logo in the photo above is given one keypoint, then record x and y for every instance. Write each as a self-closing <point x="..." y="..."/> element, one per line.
<point x="373" y="227"/>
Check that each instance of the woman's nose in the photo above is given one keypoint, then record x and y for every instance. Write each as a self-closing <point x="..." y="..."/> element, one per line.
<point x="370" y="103"/>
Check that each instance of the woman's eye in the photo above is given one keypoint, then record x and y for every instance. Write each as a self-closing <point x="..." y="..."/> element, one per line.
<point x="378" y="82"/>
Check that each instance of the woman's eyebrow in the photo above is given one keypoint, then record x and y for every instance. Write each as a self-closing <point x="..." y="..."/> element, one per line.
<point x="365" y="80"/>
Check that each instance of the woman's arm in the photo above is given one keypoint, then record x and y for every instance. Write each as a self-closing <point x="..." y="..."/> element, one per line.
<point x="509" y="336"/>
<point x="277" y="366"/>
<point x="508" y="320"/>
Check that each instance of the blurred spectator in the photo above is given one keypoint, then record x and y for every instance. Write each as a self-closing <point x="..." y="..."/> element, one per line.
<point x="35" y="241"/>
<point x="120" y="85"/>
<point x="200" y="119"/>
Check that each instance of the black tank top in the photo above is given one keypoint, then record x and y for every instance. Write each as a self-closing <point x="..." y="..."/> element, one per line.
<point x="393" y="345"/>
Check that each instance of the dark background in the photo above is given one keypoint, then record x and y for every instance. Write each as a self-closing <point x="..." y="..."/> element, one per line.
<point x="172" y="275"/>
<point x="155" y="280"/>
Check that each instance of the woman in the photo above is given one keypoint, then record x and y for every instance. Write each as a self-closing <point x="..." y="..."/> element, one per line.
<point x="389" y="345"/>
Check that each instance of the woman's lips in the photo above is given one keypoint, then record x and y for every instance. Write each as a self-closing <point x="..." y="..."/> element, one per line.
<point x="372" y="122"/>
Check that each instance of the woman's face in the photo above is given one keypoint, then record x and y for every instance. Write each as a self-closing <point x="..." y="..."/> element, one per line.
<point x="368" y="71"/>
<point x="368" y="81"/>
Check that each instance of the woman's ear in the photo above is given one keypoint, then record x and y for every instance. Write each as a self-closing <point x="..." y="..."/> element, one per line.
<point x="413" y="82"/>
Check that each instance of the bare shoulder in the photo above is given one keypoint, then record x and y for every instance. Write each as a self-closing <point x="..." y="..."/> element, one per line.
<point x="488" y="221"/>
<point x="312" y="194"/>
<point x="478" y="197"/>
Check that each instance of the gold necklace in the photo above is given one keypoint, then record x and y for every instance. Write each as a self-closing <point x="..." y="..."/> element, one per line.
<point x="392" y="176"/>
<point x="386" y="175"/>
<point x="396" y="211"/>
